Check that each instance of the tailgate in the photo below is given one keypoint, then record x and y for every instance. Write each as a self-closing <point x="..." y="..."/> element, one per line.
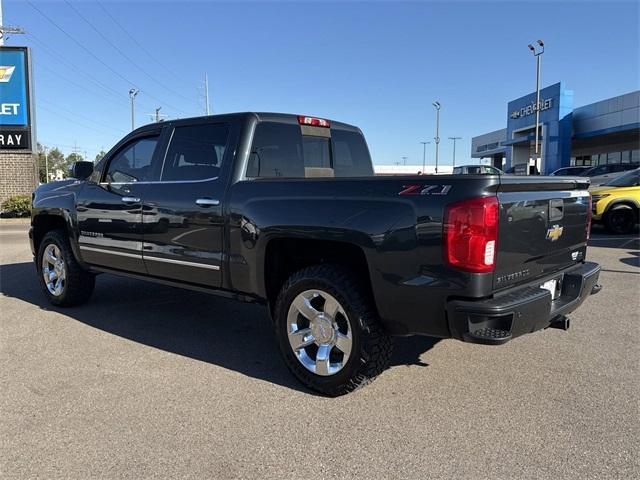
<point x="542" y="227"/>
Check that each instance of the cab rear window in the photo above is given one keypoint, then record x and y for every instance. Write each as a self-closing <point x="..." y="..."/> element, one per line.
<point x="280" y="150"/>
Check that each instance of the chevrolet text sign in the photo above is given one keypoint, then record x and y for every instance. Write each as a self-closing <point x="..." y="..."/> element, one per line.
<point x="15" y="109"/>
<point x="530" y="109"/>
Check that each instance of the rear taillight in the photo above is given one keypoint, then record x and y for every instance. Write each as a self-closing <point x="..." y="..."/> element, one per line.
<point x="471" y="234"/>
<point x="589" y="213"/>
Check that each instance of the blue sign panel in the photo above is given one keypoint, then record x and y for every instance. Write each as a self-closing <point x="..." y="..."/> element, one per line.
<point x="15" y="121"/>
<point x="14" y="107"/>
<point x="556" y="107"/>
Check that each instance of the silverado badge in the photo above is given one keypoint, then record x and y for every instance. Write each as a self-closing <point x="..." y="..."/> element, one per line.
<point x="554" y="233"/>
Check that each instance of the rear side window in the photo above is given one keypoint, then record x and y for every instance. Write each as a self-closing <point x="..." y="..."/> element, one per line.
<point x="350" y="154"/>
<point x="276" y="151"/>
<point x="195" y="152"/>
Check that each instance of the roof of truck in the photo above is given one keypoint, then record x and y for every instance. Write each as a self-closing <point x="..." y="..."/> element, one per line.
<point x="291" y="118"/>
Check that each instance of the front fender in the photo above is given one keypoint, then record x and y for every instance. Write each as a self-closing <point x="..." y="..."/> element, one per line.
<point x="57" y="200"/>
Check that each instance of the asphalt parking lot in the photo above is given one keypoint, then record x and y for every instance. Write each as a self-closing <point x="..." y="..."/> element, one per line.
<point x="148" y="381"/>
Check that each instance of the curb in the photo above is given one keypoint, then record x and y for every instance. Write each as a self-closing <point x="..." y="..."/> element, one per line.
<point x="15" y="221"/>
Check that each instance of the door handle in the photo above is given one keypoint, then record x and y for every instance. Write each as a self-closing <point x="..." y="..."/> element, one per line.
<point x="130" y="199"/>
<point x="207" y="202"/>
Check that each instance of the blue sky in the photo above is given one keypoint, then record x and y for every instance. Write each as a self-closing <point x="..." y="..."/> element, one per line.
<point x="378" y="65"/>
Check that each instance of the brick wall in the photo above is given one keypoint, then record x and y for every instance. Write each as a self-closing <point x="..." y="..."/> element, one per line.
<point x="18" y="174"/>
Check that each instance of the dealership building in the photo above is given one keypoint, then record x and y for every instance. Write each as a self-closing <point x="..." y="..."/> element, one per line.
<point x="604" y="132"/>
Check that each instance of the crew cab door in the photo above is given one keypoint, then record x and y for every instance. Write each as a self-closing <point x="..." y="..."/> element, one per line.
<point x="109" y="208"/>
<point x="183" y="212"/>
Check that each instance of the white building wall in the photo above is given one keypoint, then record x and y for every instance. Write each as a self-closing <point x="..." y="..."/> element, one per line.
<point x="410" y="169"/>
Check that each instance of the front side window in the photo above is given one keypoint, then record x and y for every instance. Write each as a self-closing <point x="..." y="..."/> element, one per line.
<point x="195" y="152"/>
<point x="601" y="170"/>
<point x="631" y="179"/>
<point x="133" y="162"/>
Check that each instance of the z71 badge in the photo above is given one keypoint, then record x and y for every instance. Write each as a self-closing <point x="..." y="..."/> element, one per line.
<point x="425" y="190"/>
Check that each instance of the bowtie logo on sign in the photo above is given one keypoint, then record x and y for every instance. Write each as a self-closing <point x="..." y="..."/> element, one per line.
<point x="5" y="73"/>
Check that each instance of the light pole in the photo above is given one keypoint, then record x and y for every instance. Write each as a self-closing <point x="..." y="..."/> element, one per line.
<point x="437" y="137"/>
<point x="424" y="155"/>
<point x="404" y="161"/>
<point x="454" y="148"/>
<point x="537" y="52"/>
<point x="132" y="94"/>
<point x="46" y="164"/>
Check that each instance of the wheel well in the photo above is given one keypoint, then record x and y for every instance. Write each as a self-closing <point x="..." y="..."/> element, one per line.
<point x="624" y="203"/>
<point x="43" y="224"/>
<point x="285" y="256"/>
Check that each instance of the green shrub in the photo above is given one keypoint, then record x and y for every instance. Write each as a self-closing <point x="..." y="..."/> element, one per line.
<point x="17" y="206"/>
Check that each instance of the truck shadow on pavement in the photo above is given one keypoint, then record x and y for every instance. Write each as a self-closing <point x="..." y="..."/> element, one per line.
<point x="633" y="260"/>
<point x="231" y="334"/>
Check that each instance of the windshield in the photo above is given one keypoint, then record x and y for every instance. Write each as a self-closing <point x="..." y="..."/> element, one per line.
<point x="631" y="179"/>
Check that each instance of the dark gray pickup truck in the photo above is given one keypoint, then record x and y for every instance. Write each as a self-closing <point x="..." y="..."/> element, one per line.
<point x="285" y="210"/>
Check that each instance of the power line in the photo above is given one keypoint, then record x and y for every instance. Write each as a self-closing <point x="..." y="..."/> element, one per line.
<point x="71" y="81"/>
<point x="121" y="52"/>
<point x="58" y="114"/>
<point x="133" y="39"/>
<point x="61" y="58"/>
<point x="64" y="146"/>
<point x="75" y="114"/>
<point x="94" y="56"/>
<point x="57" y="55"/>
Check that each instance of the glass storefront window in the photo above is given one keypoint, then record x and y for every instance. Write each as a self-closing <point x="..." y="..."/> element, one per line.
<point x="626" y="157"/>
<point x="635" y="156"/>
<point x="613" y="157"/>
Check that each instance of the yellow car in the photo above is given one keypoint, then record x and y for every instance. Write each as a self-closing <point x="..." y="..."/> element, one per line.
<point x="617" y="203"/>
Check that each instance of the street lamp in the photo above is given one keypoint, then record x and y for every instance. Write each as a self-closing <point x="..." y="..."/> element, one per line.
<point x="424" y="155"/>
<point x="454" y="148"/>
<point x="46" y="165"/>
<point x="132" y="94"/>
<point x="437" y="106"/>
<point x="404" y="161"/>
<point x="537" y="51"/>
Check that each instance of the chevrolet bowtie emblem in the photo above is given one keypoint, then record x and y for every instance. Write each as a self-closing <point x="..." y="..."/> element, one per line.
<point x="5" y="73"/>
<point x="554" y="233"/>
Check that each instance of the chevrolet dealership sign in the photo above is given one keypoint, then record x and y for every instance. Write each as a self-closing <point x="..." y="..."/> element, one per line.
<point x="15" y="99"/>
<point x="529" y="109"/>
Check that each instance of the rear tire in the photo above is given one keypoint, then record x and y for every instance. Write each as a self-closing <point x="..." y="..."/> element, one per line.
<point x="67" y="283"/>
<point x="341" y="344"/>
<point x="620" y="220"/>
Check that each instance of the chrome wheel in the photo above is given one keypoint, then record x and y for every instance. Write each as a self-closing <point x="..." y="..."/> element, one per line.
<point x="319" y="332"/>
<point x="53" y="270"/>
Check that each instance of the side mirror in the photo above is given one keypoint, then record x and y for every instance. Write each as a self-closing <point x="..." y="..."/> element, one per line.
<point x="81" y="170"/>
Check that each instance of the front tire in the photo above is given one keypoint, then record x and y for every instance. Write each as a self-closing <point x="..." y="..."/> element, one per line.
<point x="328" y="331"/>
<point x="64" y="282"/>
<point x="620" y="220"/>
